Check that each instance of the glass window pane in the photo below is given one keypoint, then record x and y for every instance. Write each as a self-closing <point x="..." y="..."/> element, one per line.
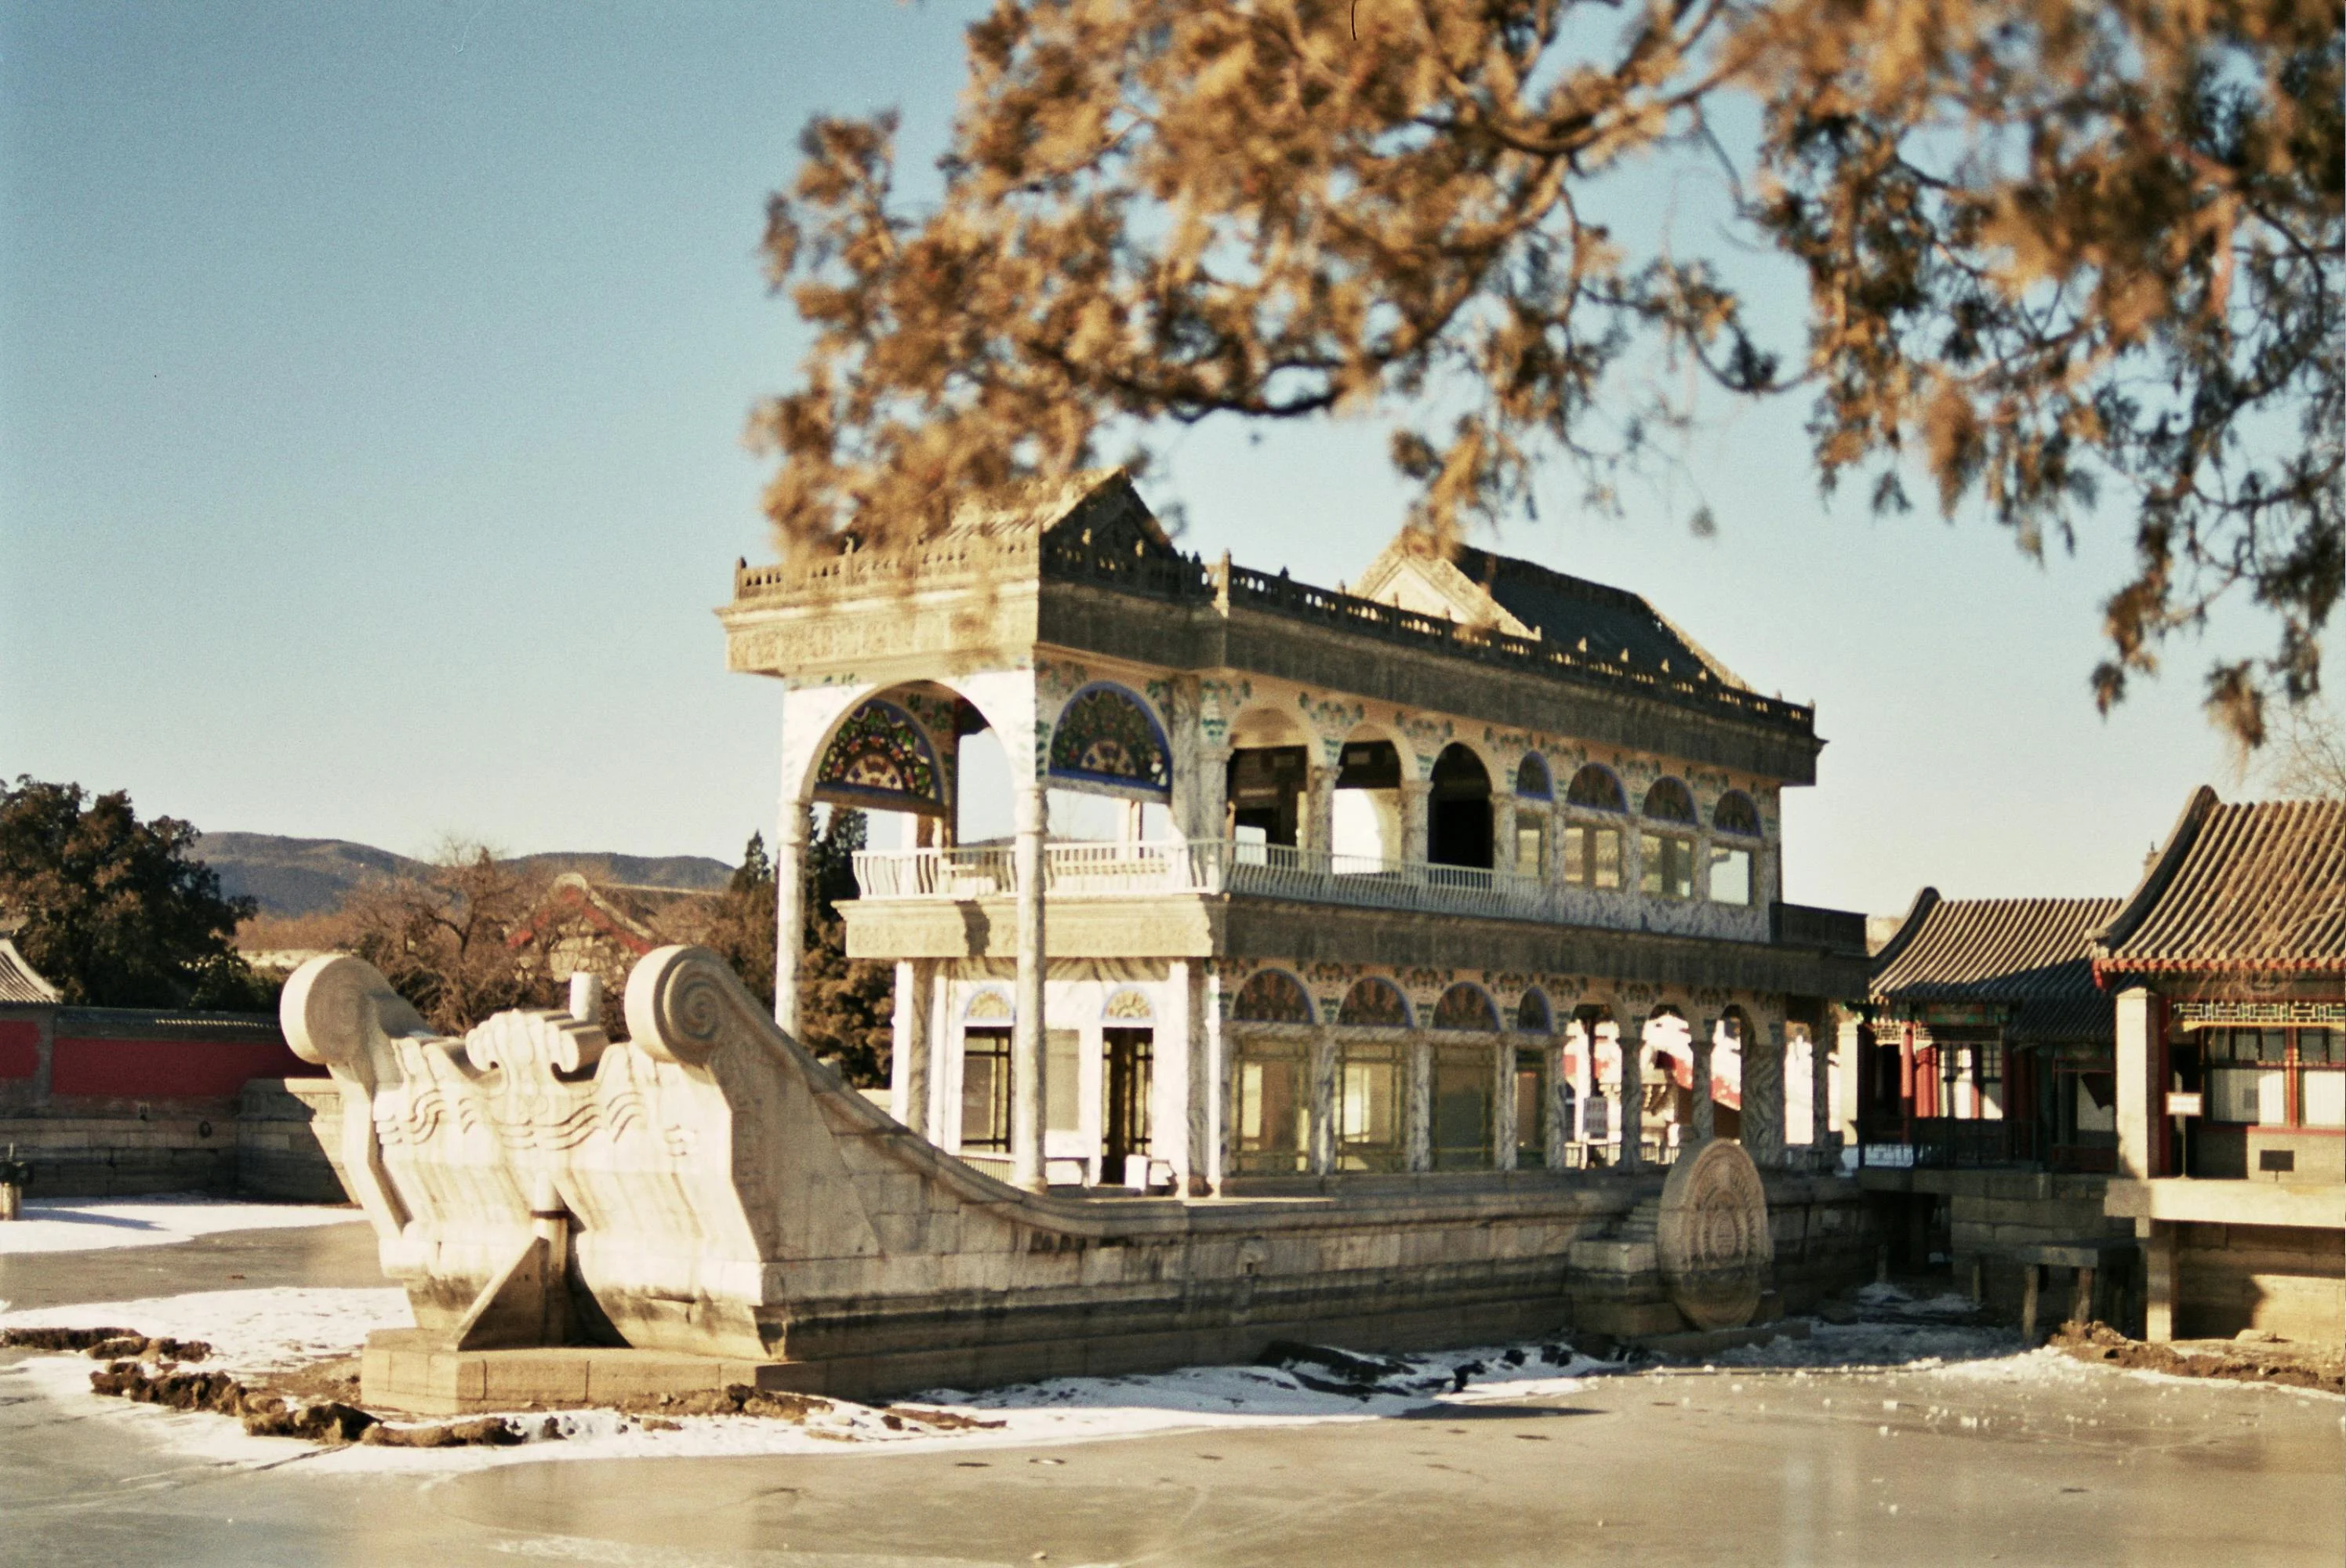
<point x="1531" y="1108"/>
<point x="2318" y="1046"/>
<point x="1368" y="1113"/>
<point x="1730" y="876"/>
<point x="1462" y="1111"/>
<point x="1576" y="854"/>
<point x="1605" y="858"/>
<point x="1274" y="1112"/>
<point x="985" y="1089"/>
<point x="2276" y="1045"/>
<point x="1649" y="864"/>
<point x="2324" y="1098"/>
<point x="1531" y="846"/>
<point x="2253" y="1095"/>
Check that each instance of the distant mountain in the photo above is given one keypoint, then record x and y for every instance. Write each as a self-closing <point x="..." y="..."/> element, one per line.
<point x="291" y="877"/>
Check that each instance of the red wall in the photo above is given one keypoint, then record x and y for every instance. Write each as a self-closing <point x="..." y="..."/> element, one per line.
<point x="20" y="1049"/>
<point x="166" y="1068"/>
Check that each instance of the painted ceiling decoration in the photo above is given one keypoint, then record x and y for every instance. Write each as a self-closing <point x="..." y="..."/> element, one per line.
<point x="1108" y="740"/>
<point x="882" y="759"/>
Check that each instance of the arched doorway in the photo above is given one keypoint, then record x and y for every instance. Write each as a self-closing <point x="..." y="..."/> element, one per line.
<point x="1458" y="821"/>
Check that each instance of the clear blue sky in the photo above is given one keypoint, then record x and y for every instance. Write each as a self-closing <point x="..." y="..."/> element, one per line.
<point x="371" y="388"/>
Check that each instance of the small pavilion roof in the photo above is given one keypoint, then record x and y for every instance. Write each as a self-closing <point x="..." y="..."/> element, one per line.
<point x="2259" y="885"/>
<point x="2033" y="955"/>
<point x="19" y="981"/>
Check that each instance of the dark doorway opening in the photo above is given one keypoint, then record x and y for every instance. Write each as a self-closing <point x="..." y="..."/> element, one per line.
<point x="1266" y="793"/>
<point x="1123" y="1127"/>
<point x="1458" y="826"/>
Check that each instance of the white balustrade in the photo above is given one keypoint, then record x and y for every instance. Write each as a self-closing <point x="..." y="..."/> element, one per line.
<point x="1207" y="866"/>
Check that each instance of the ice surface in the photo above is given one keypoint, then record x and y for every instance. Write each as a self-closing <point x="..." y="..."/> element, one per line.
<point x="88" y="1224"/>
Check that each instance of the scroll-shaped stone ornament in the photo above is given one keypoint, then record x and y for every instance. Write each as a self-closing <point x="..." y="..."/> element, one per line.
<point x="1712" y="1238"/>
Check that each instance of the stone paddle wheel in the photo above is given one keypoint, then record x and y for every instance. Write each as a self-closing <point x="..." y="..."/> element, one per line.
<point x="1711" y="1238"/>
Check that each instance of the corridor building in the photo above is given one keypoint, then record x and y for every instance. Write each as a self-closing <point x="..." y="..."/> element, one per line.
<point x="1399" y="867"/>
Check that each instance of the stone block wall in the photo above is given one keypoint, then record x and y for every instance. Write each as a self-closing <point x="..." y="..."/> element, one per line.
<point x="288" y="1133"/>
<point x="124" y="1155"/>
<point x="2283" y="1279"/>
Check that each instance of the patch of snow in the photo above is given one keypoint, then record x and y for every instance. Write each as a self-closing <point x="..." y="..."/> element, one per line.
<point x="90" y="1224"/>
<point x="260" y="1331"/>
<point x="248" y="1330"/>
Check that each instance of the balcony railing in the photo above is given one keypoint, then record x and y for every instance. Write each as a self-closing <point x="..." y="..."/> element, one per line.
<point x="1264" y="871"/>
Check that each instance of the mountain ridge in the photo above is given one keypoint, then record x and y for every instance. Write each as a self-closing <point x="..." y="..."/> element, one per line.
<point x="289" y="876"/>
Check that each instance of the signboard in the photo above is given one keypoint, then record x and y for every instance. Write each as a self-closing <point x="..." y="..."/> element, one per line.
<point x="2181" y="1105"/>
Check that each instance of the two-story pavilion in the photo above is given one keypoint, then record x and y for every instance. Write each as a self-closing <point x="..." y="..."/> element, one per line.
<point x="1429" y="850"/>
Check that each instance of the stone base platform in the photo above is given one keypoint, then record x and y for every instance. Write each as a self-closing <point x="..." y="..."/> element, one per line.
<point x="402" y="1370"/>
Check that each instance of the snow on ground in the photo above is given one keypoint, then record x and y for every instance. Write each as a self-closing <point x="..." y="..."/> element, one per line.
<point x="248" y="1330"/>
<point x="259" y="1330"/>
<point x="87" y="1225"/>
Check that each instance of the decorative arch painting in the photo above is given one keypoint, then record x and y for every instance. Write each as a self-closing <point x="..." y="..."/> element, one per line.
<point x="1374" y="1003"/>
<point x="1108" y="740"/>
<point x="880" y="758"/>
<point x="1466" y="1006"/>
<point x="1272" y="996"/>
<point x="1128" y="1005"/>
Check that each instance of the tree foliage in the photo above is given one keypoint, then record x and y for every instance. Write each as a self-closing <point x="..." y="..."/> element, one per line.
<point x="447" y="940"/>
<point x="846" y="1006"/>
<point x="2059" y="255"/>
<point x="115" y="912"/>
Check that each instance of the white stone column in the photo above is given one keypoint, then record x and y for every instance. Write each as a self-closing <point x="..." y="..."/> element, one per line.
<point x="1417" y="1103"/>
<point x="1822" y="1035"/>
<point x="1416" y="795"/>
<point x="2139" y="1087"/>
<point x="1706" y="1108"/>
<point x="1319" y="824"/>
<point x="1323" y="1101"/>
<point x="1026" y="1054"/>
<point x="789" y="910"/>
<point x="1633" y="1095"/>
<point x="1503" y="833"/>
<point x="1504" y="1134"/>
<point x="907" y="1058"/>
<point x="1763" y="1095"/>
<point x="1175" y="1046"/>
<point x="942" y="1107"/>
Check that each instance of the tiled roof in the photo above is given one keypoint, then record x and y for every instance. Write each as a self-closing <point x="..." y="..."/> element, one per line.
<point x="2032" y="954"/>
<point x="19" y="981"/>
<point x="1573" y="612"/>
<point x="2259" y="885"/>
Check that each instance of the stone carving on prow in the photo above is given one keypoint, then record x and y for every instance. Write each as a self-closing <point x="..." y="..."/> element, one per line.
<point x="684" y="1005"/>
<point x="537" y="1065"/>
<point x="1712" y="1239"/>
<point x="339" y="1013"/>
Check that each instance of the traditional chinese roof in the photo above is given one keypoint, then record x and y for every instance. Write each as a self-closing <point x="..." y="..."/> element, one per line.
<point x="2261" y="885"/>
<point x="2034" y="956"/>
<point x="19" y="981"/>
<point x="1526" y="599"/>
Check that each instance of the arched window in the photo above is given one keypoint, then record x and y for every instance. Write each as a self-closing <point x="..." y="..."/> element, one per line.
<point x="1464" y="1006"/>
<point x="879" y="758"/>
<point x="1736" y="814"/>
<point x="1532" y="780"/>
<point x="1666" y="860"/>
<point x="1532" y="1015"/>
<point x="1106" y="738"/>
<point x="1669" y="802"/>
<point x="1729" y="878"/>
<point x="1592" y="855"/>
<point x="1272" y="996"/>
<point x="1376" y="1004"/>
<point x="1596" y="788"/>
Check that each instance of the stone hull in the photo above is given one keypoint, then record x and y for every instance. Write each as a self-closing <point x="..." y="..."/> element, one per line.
<point x="720" y="1194"/>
